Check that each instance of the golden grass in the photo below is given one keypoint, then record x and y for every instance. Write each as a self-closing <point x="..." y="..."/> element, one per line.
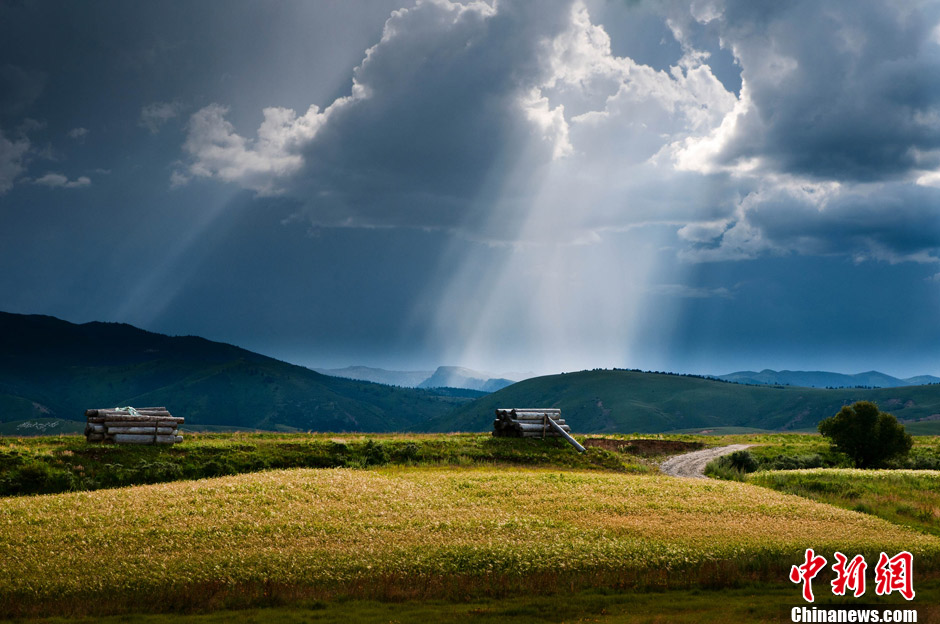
<point x="404" y="532"/>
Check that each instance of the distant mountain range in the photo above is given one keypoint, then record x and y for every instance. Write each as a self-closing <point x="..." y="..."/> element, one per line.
<point x="443" y="377"/>
<point x="822" y="379"/>
<point x="51" y="368"/>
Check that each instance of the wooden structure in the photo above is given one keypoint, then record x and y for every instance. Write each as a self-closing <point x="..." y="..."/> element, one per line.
<point x="129" y="425"/>
<point x="532" y="423"/>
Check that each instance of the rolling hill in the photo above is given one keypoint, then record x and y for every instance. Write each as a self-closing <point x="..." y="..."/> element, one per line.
<point x="823" y="379"/>
<point x="629" y="401"/>
<point x="50" y="368"/>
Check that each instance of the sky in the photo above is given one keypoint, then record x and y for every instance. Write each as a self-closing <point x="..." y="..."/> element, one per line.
<point x="698" y="186"/>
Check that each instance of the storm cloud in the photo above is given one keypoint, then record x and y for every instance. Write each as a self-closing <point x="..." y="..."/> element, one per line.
<point x="474" y="118"/>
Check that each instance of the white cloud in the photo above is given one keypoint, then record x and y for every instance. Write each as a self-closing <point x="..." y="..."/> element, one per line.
<point x="57" y="180"/>
<point x="78" y="134"/>
<point x="155" y="114"/>
<point x="12" y="156"/>
<point x="217" y="151"/>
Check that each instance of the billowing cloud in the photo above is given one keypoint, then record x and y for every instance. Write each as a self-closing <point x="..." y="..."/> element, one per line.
<point x="218" y="151"/>
<point x="512" y="123"/>
<point x="57" y="180"/>
<point x="460" y="115"/>
<point x="12" y="155"/>
<point x="154" y="115"/>
<point x="844" y="91"/>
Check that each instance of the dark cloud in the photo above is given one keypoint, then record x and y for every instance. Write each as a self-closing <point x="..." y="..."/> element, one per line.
<point x="838" y="91"/>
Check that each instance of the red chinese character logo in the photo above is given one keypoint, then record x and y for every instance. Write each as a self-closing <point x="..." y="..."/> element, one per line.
<point x="895" y="573"/>
<point x="806" y="572"/>
<point x="851" y="576"/>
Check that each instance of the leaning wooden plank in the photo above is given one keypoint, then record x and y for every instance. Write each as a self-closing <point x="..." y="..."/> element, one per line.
<point x="564" y="433"/>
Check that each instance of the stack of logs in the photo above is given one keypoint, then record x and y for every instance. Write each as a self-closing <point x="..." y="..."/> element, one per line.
<point x="528" y="423"/>
<point x="128" y="425"/>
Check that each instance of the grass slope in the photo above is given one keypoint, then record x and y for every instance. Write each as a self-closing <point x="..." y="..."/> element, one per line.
<point x="628" y="401"/>
<point x="906" y="497"/>
<point x="49" y="464"/>
<point x="401" y="533"/>
<point x="52" y="368"/>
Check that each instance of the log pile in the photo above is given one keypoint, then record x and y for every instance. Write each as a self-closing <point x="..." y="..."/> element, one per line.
<point x="128" y="425"/>
<point x="528" y="423"/>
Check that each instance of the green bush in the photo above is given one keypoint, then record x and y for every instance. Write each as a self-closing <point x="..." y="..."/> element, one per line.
<point x="869" y="436"/>
<point x="742" y="461"/>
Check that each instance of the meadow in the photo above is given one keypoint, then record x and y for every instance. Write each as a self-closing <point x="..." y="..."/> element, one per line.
<point x="328" y="527"/>
<point x="908" y="498"/>
<point x="410" y="533"/>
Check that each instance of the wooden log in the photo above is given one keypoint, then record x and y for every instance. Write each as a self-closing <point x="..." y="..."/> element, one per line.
<point x="535" y="421"/>
<point x="146" y="419"/>
<point x="130" y="438"/>
<point x="110" y="414"/>
<point x="536" y="410"/>
<point x="536" y="427"/>
<point x="142" y="430"/>
<point x="535" y="416"/>
<point x="94" y="437"/>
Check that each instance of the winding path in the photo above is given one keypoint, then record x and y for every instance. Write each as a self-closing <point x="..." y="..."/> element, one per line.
<point x="693" y="464"/>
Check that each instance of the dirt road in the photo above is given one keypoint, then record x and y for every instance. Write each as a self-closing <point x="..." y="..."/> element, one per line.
<point x="693" y="464"/>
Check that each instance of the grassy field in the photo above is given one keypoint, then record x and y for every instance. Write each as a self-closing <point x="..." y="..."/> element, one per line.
<point x="50" y="464"/>
<point x="756" y="604"/>
<point x="904" y="497"/>
<point x="401" y="533"/>
<point x="412" y="528"/>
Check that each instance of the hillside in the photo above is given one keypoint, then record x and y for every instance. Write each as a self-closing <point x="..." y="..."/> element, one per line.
<point x="628" y="401"/>
<point x="53" y="368"/>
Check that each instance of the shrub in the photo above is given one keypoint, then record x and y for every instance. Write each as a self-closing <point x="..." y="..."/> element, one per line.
<point x="869" y="436"/>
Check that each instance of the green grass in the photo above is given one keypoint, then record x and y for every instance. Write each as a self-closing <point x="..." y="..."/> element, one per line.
<point x="755" y="604"/>
<point x="51" y="464"/>
<point x="903" y="497"/>
<point x="67" y="463"/>
<point x="411" y="533"/>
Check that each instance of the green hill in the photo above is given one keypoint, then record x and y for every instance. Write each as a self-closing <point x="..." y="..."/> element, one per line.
<point x="50" y="368"/>
<point x="628" y="401"/>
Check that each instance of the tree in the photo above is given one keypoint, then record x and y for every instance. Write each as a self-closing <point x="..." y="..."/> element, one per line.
<point x="866" y="434"/>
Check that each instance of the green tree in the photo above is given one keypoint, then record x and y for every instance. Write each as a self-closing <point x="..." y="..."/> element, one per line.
<point x="866" y="434"/>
